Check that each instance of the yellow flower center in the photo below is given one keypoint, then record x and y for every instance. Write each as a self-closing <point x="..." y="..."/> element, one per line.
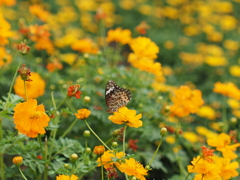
<point x="36" y="115"/>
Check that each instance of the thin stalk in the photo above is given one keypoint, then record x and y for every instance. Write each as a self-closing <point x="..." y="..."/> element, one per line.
<point x="25" y="90"/>
<point x="101" y="168"/>
<point x="124" y="137"/>
<point x="69" y="128"/>
<point x="40" y="142"/>
<point x="224" y="118"/>
<point x="160" y="143"/>
<point x="96" y="135"/>
<point x="21" y="173"/>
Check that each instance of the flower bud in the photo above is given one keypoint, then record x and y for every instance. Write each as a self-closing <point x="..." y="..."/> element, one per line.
<point x="88" y="150"/>
<point x="86" y="99"/>
<point x="25" y="73"/>
<point x="74" y="157"/>
<point x="114" y="144"/>
<point x="163" y="131"/>
<point x="66" y="165"/>
<point x="99" y="150"/>
<point x="86" y="133"/>
<point x="148" y="167"/>
<point x="23" y="48"/>
<point x="133" y="178"/>
<point x="17" y="160"/>
<point x="233" y="120"/>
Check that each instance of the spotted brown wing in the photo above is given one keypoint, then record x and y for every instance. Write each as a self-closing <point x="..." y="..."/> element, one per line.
<point x="116" y="97"/>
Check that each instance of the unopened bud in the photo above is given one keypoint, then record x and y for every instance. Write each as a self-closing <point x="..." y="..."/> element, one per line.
<point x="86" y="133"/>
<point x="74" y="157"/>
<point x="17" y="160"/>
<point x="88" y="150"/>
<point x="163" y="131"/>
<point x="114" y="144"/>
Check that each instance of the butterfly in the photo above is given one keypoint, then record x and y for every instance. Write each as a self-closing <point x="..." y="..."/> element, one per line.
<point x="116" y="97"/>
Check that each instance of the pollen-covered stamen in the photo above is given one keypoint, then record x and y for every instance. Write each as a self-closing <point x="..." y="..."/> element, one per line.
<point x="36" y="115"/>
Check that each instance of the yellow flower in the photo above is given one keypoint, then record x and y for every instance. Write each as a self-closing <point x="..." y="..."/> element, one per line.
<point x="82" y="114"/>
<point x="216" y="60"/>
<point x="69" y="58"/>
<point x="144" y="47"/>
<point x="85" y="46"/>
<point x="125" y="115"/>
<point x="221" y="142"/>
<point x="7" y="2"/>
<point x="119" y="35"/>
<point x="107" y="158"/>
<point x="228" y="169"/>
<point x="30" y="118"/>
<point x="39" y="12"/>
<point x="35" y="88"/>
<point x="233" y="103"/>
<point x="5" y="32"/>
<point x="205" y="132"/>
<point x="204" y="169"/>
<point x="65" y="177"/>
<point x="4" y="57"/>
<point x="190" y="136"/>
<point x="168" y="45"/>
<point x="228" y="22"/>
<point x="191" y="58"/>
<point x="231" y="45"/>
<point x="17" y="160"/>
<point x="133" y="168"/>
<point x="235" y="71"/>
<point x="171" y="139"/>
<point x="207" y="112"/>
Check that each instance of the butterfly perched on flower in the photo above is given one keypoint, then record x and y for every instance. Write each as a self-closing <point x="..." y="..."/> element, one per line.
<point x="116" y="97"/>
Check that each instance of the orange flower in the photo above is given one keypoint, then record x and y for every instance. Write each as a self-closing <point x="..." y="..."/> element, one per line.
<point x="99" y="150"/>
<point x="7" y="2"/>
<point x="85" y="46"/>
<point x="228" y="89"/>
<point x="125" y="115"/>
<point x="144" y="47"/>
<point x="142" y="28"/>
<point x="35" y="88"/>
<point x="41" y="36"/>
<point x="119" y="35"/>
<point x="39" y="12"/>
<point x="82" y="114"/>
<point x="4" y="57"/>
<point x="206" y="152"/>
<point x="54" y="66"/>
<point x="65" y="177"/>
<point x="107" y="158"/>
<point x="17" y="160"/>
<point x="30" y="118"/>
<point x="186" y="101"/>
<point x="221" y="142"/>
<point x="4" y="30"/>
<point x="145" y="64"/>
<point x="133" y="168"/>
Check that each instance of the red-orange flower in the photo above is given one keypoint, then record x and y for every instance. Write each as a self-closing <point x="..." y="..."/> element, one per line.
<point x="227" y="89"/>
<point x="85" y="46"/>
<point x="30" y="118"/>
<point x="73" y="91"/>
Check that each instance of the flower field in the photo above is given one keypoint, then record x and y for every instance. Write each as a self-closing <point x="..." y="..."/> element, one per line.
<point x="124" y="90"/>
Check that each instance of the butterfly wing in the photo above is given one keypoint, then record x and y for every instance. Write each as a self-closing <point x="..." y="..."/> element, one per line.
<point x="116" y="97"/>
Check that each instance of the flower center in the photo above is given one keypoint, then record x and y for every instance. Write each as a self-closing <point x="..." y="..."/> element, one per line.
<point x="36" y="115"/>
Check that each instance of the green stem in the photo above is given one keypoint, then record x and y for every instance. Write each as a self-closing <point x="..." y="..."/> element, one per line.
<point x="156" y="152"/>
<point x="101" y="168"/>
<point x="40" y="142"/>
<point x="124" y="137"/>
<point x="1" y="120"/>
<point x="45" y="157"/>
<point x="96" y="135"/>
<point x="61" y="102"/>
<point x="25" y="90"/>
<point x="224" y="118"/>
<point x="21" y="173"/>
<point x="69" y="128"/>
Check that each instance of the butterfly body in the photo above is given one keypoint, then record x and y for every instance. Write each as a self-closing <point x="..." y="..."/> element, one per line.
<point x="116" y="97"/>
